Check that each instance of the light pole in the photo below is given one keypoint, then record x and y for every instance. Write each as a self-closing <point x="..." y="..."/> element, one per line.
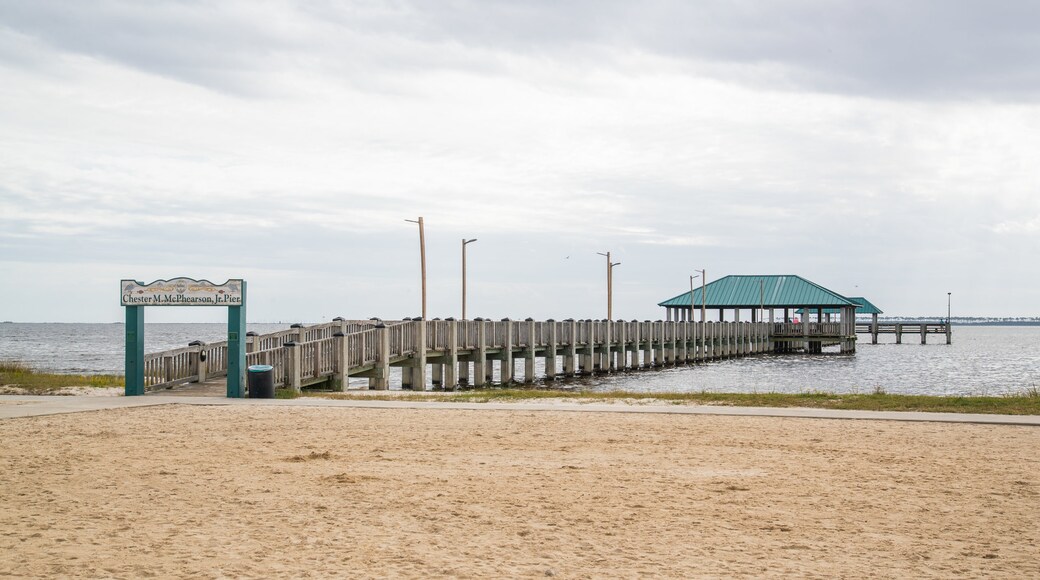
<point x="691" y="297"/>
<point x="464" y="243"/>
<point x="422" y="259"/>
<point x="949" y="298"/>
<point x="704" y="296"/>
<point x="610" y="284"/>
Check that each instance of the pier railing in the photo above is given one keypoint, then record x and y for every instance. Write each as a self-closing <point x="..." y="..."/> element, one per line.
<point x="333" y="351"/>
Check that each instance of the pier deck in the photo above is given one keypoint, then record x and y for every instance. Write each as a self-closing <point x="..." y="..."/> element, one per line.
<point x="450" y="353"/>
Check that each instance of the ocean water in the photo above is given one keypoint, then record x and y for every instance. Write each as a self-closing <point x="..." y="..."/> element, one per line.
<point x="983" y="360"/>
<point x="98" y="348"/>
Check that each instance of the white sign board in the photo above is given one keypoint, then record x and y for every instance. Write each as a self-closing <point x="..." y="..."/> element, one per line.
<point x="181" y="292"/>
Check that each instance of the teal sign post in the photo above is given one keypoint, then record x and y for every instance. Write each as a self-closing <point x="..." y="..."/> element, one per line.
<point x="135" y="296"/>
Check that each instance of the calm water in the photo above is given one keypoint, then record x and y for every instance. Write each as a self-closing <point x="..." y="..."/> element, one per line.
<point x="983" y="360"/>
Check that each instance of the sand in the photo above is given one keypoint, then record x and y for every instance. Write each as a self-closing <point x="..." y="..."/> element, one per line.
<point x="245" y="491"/>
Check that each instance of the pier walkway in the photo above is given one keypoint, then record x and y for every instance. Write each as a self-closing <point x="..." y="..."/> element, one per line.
<point x="450" y="353"/>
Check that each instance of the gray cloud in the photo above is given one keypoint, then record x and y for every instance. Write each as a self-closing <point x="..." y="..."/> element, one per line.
<point x="893" y="49"/>
<point x="929" y="49"/>
<point x="847" y="143"/>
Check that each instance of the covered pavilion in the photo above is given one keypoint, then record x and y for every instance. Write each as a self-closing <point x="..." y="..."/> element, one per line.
<point x="762" y="294"/>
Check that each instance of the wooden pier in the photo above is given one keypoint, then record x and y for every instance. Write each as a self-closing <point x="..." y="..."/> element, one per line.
<point x="450" y="353"/>
<point x="923" y="329"/>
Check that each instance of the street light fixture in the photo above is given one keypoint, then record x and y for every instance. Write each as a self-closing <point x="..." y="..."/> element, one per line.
<point x="465" y="242"/>
<point x="422" y="259"/>
<point x="610" y="285"/>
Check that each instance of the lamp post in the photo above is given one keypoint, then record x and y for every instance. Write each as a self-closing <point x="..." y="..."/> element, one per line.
<point x="422" y="259"/>
<point x="465" y="242"/>
<point x="704" y="296"/>
<point x="949" y="298"/>
<point x="610" y="284"/>
<point x="691" y="297"/>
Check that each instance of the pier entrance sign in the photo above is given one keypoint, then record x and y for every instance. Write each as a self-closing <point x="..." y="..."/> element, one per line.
<point x="135" y="296"/>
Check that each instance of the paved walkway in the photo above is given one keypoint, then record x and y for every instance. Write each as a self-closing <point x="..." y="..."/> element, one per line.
<point x="15" y="406"/>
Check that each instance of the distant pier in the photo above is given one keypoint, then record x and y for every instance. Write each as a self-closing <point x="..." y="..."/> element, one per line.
<point x="923" y="329"/>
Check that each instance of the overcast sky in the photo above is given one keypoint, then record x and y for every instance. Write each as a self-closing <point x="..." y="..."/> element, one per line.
<point x="887" y="149"/>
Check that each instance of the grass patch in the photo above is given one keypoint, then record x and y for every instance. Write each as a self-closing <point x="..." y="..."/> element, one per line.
<point x="285" y="394"/>
<point x="21" y="375"/>
<point x="1025" y="404"/>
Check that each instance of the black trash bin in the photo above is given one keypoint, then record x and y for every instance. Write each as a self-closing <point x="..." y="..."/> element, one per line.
<point x="261" y="382"/>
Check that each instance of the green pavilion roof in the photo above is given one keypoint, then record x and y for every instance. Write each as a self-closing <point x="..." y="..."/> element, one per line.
<point x="865" y="307"/>
<point x="787" y="291"/>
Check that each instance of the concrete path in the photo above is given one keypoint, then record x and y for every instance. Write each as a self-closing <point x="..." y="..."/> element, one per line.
<point x="14" y="406"/>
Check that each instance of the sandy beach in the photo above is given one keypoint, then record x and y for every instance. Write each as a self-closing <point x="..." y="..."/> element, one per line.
<point x="178" y="491"/>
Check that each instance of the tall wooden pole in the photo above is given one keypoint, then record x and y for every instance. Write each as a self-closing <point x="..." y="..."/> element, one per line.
<point x="609" y="284"/>
<point x="422" y="257"/>
<point x="422" y="260"/>
<point x="691" y="297"/>
<point x="463" y="278"/>
<point x="464" y="243"/>
<point x="704" y="277"/>
<point x="704" y="293"/>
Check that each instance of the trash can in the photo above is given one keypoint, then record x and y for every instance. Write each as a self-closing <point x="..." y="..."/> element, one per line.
<point x="261" y="382"/>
